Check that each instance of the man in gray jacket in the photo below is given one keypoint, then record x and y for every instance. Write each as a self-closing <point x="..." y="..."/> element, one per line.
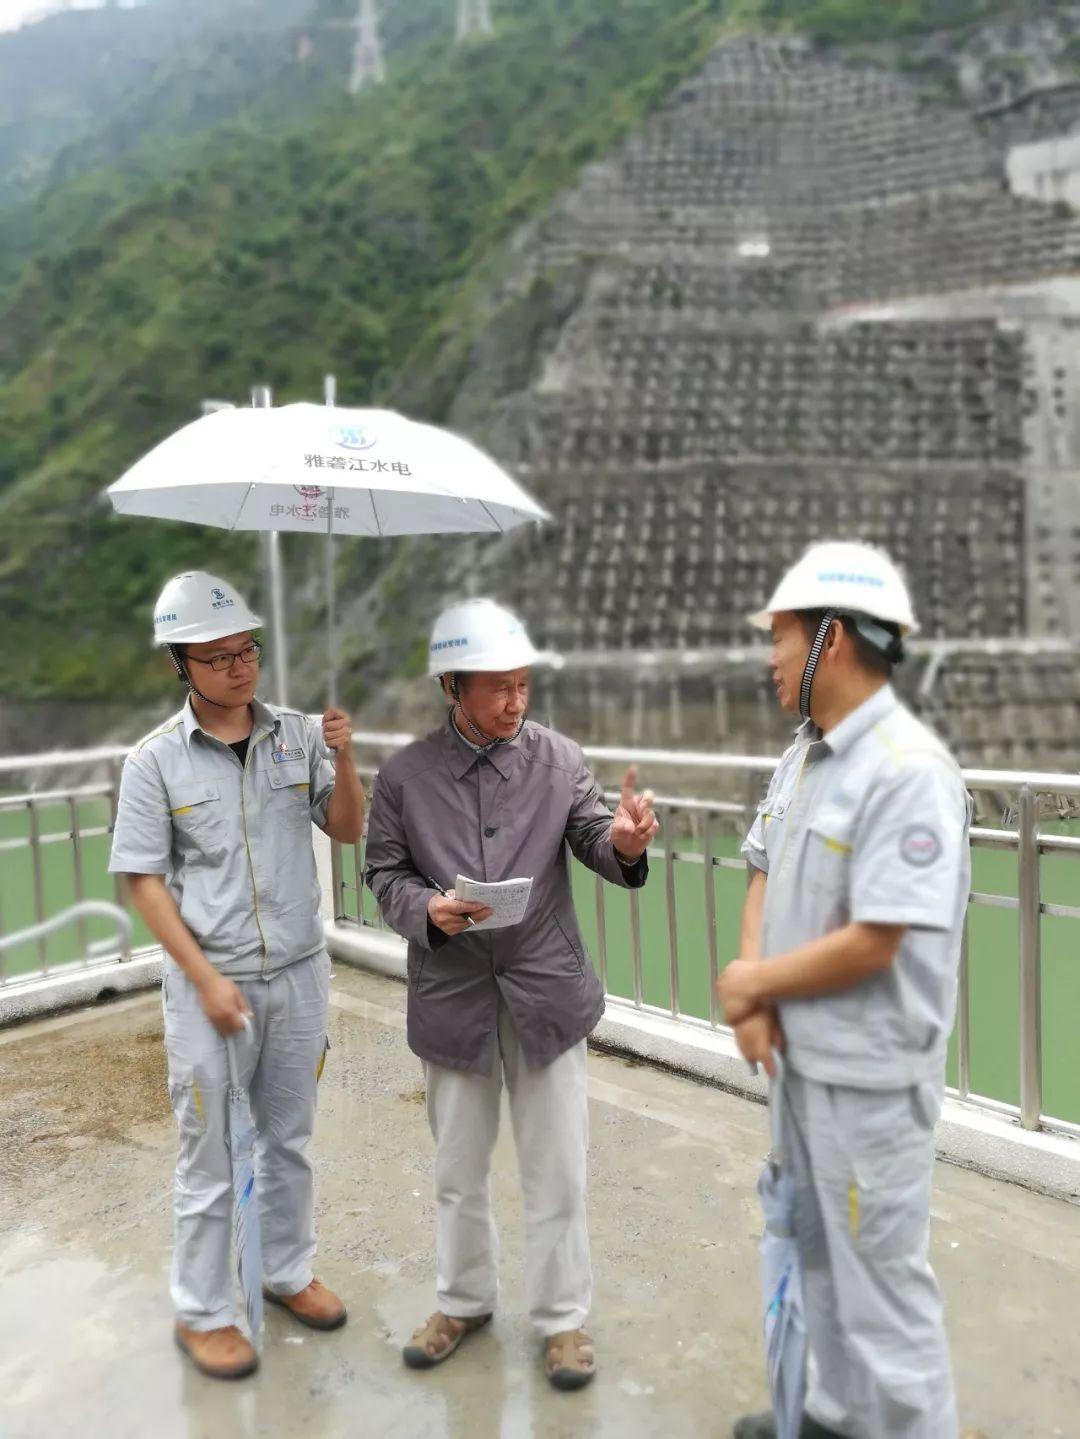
<point x="491" y="796"/>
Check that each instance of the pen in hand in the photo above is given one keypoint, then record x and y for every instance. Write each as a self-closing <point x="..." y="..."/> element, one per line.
<point x="446" y="895"/>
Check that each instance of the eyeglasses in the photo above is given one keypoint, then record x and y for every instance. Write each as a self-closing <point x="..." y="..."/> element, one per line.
<point x="249" y="655"/>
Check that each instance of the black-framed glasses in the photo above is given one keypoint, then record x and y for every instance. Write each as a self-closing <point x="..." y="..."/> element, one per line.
<point x="249" y="655"/>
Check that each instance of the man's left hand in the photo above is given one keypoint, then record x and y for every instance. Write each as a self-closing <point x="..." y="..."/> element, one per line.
<point x="634" y="825"/>
<point x="739" y="989"/>
<point x="337" y="730"/>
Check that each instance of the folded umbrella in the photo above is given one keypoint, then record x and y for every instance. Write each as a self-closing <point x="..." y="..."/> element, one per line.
<point x="781" y="1281"/>
<point x="246" y="1231"/>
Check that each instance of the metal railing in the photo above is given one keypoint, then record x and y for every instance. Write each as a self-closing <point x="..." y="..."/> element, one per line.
<point x="702" y="821"/>
<point x="44" y="820"/>
<point x="708" y="817"/>
<point x="118" y="945"/>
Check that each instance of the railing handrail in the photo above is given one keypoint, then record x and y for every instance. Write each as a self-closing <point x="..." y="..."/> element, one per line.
<point x="1040" y="781"/>
<point x="77" y="914"/>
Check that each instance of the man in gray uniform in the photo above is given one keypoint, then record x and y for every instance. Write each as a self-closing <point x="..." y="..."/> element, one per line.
<point x="492" y="796"/>
<point x="213" y="830"/>
<point x="860" y="875"/>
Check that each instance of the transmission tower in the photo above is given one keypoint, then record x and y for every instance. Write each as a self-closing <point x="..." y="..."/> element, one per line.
<point x="368" y="66"/>
<point x="473" y="18"/>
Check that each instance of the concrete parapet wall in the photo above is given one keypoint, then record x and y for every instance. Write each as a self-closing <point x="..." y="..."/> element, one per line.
<point x="75" y="985"/>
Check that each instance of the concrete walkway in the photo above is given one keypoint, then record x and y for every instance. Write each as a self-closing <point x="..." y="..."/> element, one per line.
<point x="86" y="1150"/>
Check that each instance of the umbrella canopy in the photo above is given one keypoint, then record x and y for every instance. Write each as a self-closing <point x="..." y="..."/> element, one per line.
<point x="310" y="468"/>
<point x="247" y="1234"/>
<point x="320" y="468"/>
<point x="781" y="1282"/>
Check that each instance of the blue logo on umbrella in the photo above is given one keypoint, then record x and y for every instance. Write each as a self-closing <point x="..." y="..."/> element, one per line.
<point x="353" y="437"/>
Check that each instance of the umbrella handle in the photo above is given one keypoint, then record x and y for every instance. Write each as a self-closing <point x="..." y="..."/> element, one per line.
<point x="776" y="1104"/>
<point x="230" y="1051"/>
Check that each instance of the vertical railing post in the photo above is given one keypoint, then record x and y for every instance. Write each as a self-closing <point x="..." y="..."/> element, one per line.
<point x="601" y="933"/>
<point x="358" y="879"/>
<point x="337" y="881"/>
<point x="710" y="915"/>
<point x="635" y="944"/>
<point x="963" y="1014"/>
<point x="1030" y="963"/>
<point x="39" y="880"/>
<point x="77" y="867"/>
<point x="672" y="918"/>
<point x="114" y="800"/>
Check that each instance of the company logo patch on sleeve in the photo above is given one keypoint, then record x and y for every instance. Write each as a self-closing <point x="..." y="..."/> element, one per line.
<point x="919" y="845"/>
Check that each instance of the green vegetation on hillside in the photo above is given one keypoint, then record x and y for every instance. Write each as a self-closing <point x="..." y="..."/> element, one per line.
<point x="847" y="21"/>
<point x="334" y="247"/>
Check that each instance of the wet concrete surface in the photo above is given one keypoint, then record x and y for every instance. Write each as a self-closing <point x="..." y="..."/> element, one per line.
<point x="86" y="1151"/>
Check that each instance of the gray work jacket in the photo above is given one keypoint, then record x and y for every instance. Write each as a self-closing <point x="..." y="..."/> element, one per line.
<point x="440" y="809"/>
<point x="868" y="825"/>
<point x="233" y="840"/>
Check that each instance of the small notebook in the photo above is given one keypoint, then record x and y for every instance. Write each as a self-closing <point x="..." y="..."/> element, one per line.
<point x="508" y="898"/>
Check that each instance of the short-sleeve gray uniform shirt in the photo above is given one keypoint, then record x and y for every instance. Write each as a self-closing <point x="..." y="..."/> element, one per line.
<point x="234" y="841"/>
<point x="868" y="824"/>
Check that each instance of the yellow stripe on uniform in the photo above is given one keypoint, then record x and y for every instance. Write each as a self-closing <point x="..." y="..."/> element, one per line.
<point x="196" y="1095"/>
<point x="853" y="1209"/>
<point x="837" y="846"/>
<point x="165" y="729"/>
<point x="184" y="809"/>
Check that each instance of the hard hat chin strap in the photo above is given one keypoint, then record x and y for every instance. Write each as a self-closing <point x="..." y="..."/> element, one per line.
<point x="812" y="661"/>
<point x="176" y="654"/>
<point x="482" y="743"/>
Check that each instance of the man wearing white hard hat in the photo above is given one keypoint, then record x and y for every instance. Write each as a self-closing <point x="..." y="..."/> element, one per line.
<point x="491" y="795"/>
<point x="213" y="831"/>
<point x="859" y="878"/>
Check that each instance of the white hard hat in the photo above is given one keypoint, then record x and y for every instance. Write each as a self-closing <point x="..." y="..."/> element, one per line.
<point x="480" y="635"/>
<point x="196" y="606"/>
<point x="838" y="575"/>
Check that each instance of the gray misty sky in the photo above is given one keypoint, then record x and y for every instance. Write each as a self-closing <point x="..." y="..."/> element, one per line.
<point x="14" y="13"/>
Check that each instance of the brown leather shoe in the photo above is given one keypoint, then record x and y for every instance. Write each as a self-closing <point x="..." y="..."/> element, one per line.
<point x="220" y="1353"/>
<point x="316" y="1306"/>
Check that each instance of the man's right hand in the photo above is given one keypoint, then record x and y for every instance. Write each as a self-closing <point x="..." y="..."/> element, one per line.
<point x="757" y="1037"/>
<point x="223" y="1004"/>
<point x="452" y="915"/>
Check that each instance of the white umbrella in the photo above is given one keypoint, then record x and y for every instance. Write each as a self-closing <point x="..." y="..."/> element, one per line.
<point x="319" y="468"/>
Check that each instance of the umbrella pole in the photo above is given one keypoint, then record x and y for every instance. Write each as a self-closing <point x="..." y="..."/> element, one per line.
<point x="330" y="399"/>
<point x="331" y="605"/>
<point x="262" y="399"/>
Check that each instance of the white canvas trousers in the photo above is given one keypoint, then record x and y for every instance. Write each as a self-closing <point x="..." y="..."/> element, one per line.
<point x="279" y="1063"/>
<point x="550" y="1119"/>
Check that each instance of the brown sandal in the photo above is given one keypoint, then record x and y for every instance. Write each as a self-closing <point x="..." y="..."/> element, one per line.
<point x="425" y="1349"/>
<point x="571" y="1359"/>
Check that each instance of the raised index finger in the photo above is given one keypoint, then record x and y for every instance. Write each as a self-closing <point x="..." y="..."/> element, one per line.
<point x="628" y="783"/>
